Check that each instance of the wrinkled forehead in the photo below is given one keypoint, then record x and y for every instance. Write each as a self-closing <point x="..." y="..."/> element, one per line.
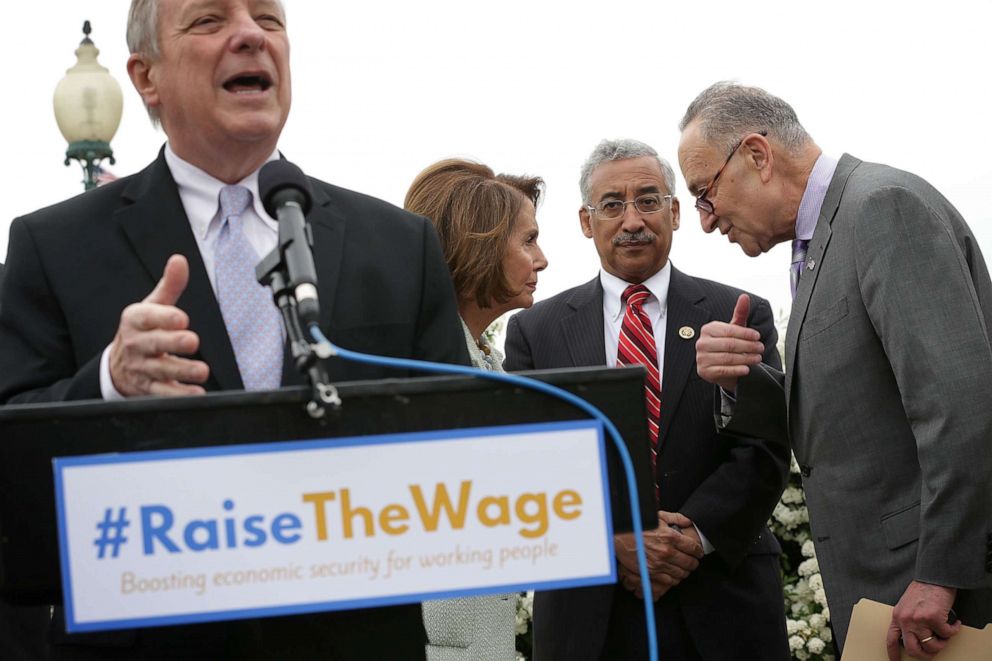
<point x="698" y="159"/>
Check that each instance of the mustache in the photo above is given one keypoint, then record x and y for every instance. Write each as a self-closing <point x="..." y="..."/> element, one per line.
<point x="643" y="236"/>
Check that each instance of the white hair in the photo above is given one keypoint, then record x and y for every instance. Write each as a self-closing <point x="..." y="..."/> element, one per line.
<point x="618" y="150"/>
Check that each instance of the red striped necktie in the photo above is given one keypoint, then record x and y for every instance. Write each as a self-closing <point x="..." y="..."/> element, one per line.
<point x="637" y="347"/>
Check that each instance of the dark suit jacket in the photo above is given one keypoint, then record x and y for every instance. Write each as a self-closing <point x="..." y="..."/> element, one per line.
<point x="73" y="267"/>
<point x="727" y="486"/>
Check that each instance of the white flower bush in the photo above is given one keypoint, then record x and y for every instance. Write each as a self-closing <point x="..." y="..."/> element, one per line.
<point x="525" y="611"/>
<point x="523" y="627"/>
<point x="807" y="616"/>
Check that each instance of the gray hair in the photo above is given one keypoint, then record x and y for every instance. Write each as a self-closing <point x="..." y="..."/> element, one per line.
<point x="619" y="150"/>
<point x="142" y="27"/>
<point x="727" y="111"/>
<point x="142" y="37"/>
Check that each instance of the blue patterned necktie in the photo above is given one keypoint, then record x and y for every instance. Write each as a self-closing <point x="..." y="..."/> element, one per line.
<point x="799" y="247"/>
<point x="252" y="320"/>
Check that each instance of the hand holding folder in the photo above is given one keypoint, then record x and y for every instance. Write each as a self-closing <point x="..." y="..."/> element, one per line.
<point x="870" y="623"/>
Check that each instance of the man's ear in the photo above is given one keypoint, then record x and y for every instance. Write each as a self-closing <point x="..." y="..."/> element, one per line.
<point x="675" y="213"/>
<point x="140" y="70"/>
<point x="758" y="152"/>
<point x="586" y="221"/>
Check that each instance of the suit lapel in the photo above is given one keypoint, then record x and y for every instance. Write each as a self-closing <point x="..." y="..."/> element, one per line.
<point x="814" y="259"/>
<point x="155" y="223"/>
<point x="583" y="330"/>
<point x="583" y="335"/>
<point x="680" y="353"/>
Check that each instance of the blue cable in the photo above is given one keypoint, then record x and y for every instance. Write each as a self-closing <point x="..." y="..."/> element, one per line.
<point x="533" y="384"/>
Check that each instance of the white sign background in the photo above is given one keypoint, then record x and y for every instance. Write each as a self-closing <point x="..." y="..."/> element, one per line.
<point x="135" y="589"/>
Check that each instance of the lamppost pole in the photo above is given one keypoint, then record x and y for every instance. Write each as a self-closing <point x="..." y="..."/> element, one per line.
<point x="88" y="104"/>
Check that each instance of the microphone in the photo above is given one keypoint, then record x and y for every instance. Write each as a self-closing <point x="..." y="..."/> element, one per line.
<point x="286" y="196"/>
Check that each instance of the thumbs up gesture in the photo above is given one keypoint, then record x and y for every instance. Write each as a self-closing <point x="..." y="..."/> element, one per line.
<point x="143" y="358"/>
<point x="726" y="351"/>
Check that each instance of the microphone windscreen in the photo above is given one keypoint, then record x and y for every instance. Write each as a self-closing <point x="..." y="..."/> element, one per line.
<point x="281" y="176"/>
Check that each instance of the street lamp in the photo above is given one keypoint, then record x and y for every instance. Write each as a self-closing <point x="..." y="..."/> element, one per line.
<point x="88" y="105"/>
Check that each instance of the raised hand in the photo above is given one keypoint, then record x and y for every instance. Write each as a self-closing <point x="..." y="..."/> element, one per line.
<point x="725" y="351"/>
<point x="143" y="355"/>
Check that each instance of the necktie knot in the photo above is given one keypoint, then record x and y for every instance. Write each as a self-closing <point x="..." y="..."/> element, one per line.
<point x="234" y="201"/>
<point x="635" y="295"/>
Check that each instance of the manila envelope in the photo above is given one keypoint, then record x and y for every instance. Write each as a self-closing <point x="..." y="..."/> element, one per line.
<point x="870" y="624"/>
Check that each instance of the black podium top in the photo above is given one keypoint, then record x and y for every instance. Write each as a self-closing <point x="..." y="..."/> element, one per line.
<point x="32" y="435"/>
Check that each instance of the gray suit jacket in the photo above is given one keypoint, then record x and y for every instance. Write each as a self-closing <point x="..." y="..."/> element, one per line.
<point x="884" y="395"/>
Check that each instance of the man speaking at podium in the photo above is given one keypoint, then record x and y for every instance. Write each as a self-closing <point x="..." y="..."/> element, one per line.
<point x="146" y="286"/>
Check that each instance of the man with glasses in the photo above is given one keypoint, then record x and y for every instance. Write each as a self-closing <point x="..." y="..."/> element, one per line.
<point x="713" y="564"/>
<point x="886" y="354"/>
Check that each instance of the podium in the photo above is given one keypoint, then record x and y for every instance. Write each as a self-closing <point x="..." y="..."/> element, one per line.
<point x="32" y="435"/>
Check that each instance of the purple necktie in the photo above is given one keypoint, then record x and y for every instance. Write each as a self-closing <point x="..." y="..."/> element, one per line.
<point x="251" y="317"/>
<point x="798" y="259"/>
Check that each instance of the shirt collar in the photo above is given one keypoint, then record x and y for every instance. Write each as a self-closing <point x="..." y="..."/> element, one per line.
<point x="613" y="288"/>
<point x="202" y="190"/>
<point x="816" y="191"/>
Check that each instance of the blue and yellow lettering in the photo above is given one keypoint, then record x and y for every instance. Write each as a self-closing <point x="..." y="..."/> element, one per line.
<point x="158" y="522"/>
<point x="253" y="527"/>
<point x="196" y="525"/>
<point x="151" y="532"/>
<point x="229" y="526"/>
<point x="283" y="523"/>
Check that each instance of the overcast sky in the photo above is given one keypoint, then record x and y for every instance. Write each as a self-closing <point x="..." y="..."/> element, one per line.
<point x="382" y="89"/>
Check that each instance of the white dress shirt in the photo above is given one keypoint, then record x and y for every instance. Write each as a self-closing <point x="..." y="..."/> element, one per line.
<point x="656" y="308"/>
<point x="200" y="194"/>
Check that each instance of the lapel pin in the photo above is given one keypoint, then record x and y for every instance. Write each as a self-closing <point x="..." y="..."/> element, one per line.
<point x="686" y="333"/>
<point x="811" y="265"/>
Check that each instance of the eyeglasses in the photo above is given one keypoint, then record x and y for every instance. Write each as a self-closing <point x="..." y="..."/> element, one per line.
<point x="646" y="204"/>
<point x="703" y="204"/>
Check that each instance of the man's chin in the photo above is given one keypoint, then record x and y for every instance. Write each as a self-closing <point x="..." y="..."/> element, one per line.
<point x="748" y="245"/>
<point x="749" y="248"/>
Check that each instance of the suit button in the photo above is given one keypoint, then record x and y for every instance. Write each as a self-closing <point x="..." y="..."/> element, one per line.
<point x="805" y="470"/>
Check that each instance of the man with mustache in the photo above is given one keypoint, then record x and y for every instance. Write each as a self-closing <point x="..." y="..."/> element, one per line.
<point x="146" y="286"/>
<point x="712" y="561"/>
